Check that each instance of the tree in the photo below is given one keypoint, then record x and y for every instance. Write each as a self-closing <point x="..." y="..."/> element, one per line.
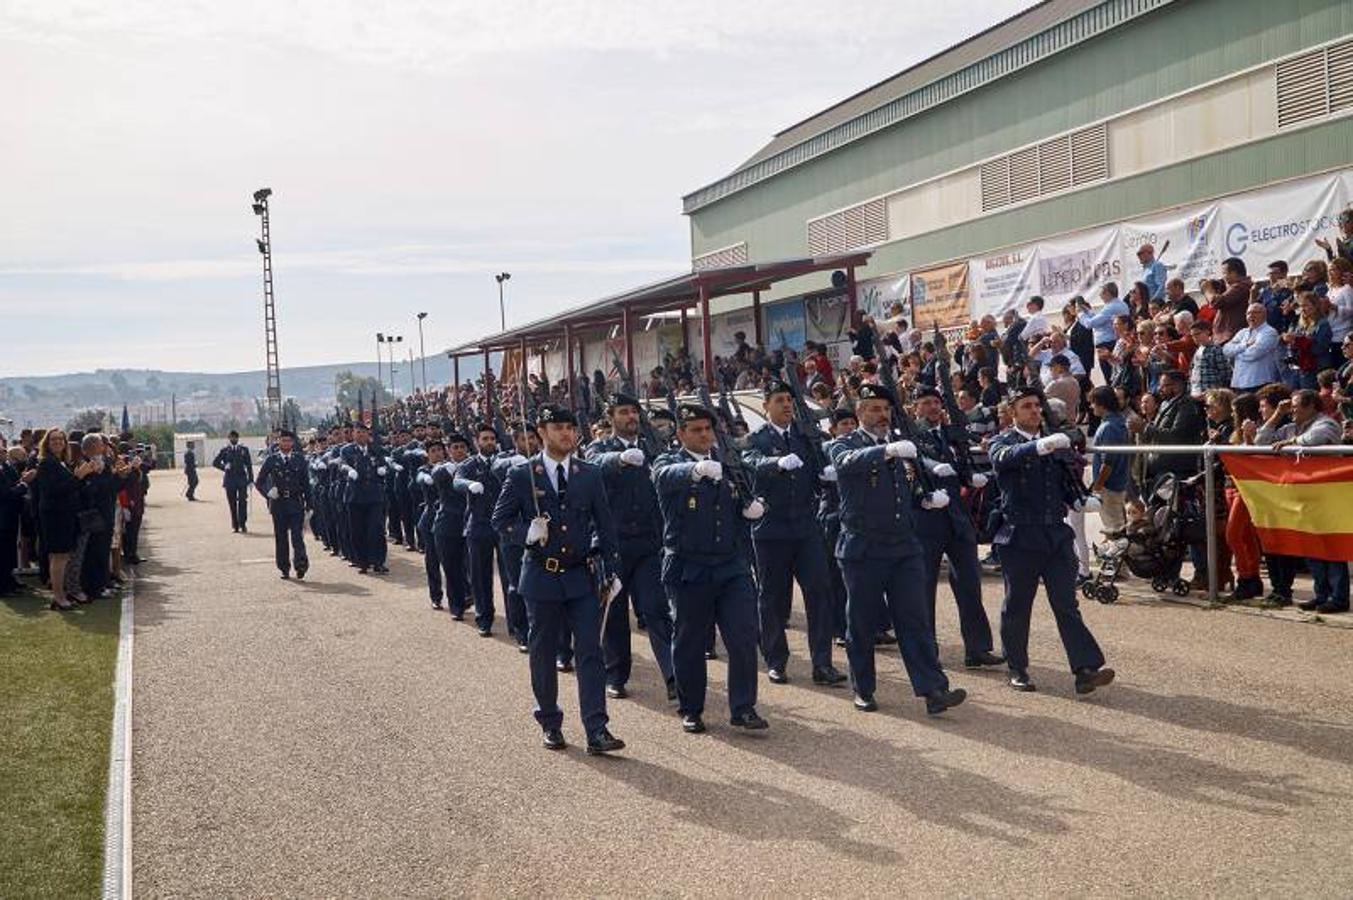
<point x="347" y="384"/>
<point x="88" y="420"/>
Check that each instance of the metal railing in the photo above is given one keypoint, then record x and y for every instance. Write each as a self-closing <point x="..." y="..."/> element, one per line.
<point x="1208" y="454"/>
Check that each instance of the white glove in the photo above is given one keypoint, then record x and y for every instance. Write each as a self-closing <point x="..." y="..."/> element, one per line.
<point x="944" y="470"/>
<point x="352" y="473"/>
<point x="397" y="467"/>
<point x="475" y="488"/>
<point x="708" y="468"/>
<point x="828" y="474"/>
<point x="979" y="480"/>
<point x="516" y="459"/>
<point x="632" y="457"/>
<point x="1058" y="441"/>
<point x="754" y="510"/>
<point x="790" y="463"/>
<point x="273" y="494"/>
<point x="425" y="478"/>
<point x="380" y="470"/>
<point x="1089" y="504"/>
<point x="900" y="450"/>
<point x="935" y="500"/>
<point x="614" y="586"/>
<point x="538" y="532"/>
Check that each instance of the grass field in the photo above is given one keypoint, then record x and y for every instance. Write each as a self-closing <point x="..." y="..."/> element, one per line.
<point x="56" y="710"/>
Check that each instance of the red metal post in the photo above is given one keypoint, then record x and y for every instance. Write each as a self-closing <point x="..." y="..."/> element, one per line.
<point x="685" y="334"/>
<point x="455" y="374"/>
<point x="851" y="292"/>
<point x="629" y="343"/>
<point x="756" y="315"/>
<point x="568" y="362"/>
<point x="704" y="334"/>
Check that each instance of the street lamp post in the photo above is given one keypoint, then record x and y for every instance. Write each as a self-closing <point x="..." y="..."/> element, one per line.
<point x="502" y="309"/>
<point x="380" y="339"/>
<point x="422" y="354"/>
<point x="391" y="340"/>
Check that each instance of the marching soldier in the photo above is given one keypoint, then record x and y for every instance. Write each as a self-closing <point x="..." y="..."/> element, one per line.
<point x="1034" y="542"/>
<point x="190" y="471"/>
<point x="570" y="544"/>
<point x="238" y="467"/>
<point x="949" y="532"/>
<point x="829" y="521"/>
<point x="284" y="478"/>
<point x="364" y="466"/>
<point x="787" y="542"/>
<point x="448" y="527"/>
<point x="881" y="558"/>
<point x="512" y="540"/>
<point x="476" y="479"/>
<point x="706" y="571"/>
<point x="629" y="487"/>
<point x="426" y="484"/>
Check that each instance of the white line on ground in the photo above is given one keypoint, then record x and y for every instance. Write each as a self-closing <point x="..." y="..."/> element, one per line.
<point x="117" y="820"/>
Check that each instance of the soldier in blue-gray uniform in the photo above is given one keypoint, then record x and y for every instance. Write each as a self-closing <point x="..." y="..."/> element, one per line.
<point x="787" y="541"/>
<point x="284" y="478"/>
<point x="707" y="570"/>
<point x="448" y="526"/>
<point x="434" y="454"/>
<point x="512" y="540"/>
<point x="190" y="471"/>
<point x="949" y="532"/>
<point x="570" y="549"/>
<point x="881" y="557"/>
<point x="364" y="466"/>
<point x="476" y="479"/>
<point x="238" y="466"/>
<point x="829" y="522"/>
<point x="1034" y="543"/>
<point x="629" y="485"/>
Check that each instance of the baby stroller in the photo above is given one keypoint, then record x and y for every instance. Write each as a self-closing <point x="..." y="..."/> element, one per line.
<point x="1156" y="544"/>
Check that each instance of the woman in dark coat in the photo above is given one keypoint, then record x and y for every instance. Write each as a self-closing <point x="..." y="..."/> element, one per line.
<point x="58" y="508"/>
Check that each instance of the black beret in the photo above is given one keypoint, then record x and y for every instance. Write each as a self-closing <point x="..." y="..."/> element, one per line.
<point x="871" y="391"/>
<point x="434" y="442"/>
<point x="1061" y="359"/>
<point x="690" y="412"/>
<point x="924" y="391"/>
<point x="1027" y="390"/>
<point x="551" y="413"/>
<point x="233" y="433"/>
<point x="619" y="398"/>
<point x="663" y="413"/>
<point x="776" y="386"/>
<point x="840" y="415"/>
<point x="286" y="432"/>
<point x="485" y="426"/>
<point x="361" y="425"/>
<point x="457" y="438"/>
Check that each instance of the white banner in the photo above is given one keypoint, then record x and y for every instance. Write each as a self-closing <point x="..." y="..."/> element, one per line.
<point x="1002" y="281"/>
<point x="1078" y="264"/>
<point x="1282" y="222"/>
<point x="1187" y="241"/>
<point x="828" y="318"/>
<point x="876" y="296"/>
<point x="723" y="326"/>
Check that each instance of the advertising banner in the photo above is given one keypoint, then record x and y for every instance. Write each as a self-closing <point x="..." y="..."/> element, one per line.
<point x="723" y="326"/>
<point x="1003" y="280"/>
<point x="940" y="296"/>
<point x="1078" y="264"/>
<point x="785" y="323"/>
<point x="1187" y="241"/>
<point x="828" y="318"/>
<point x="876" y="296"/>
<point x="1282" y="221"/>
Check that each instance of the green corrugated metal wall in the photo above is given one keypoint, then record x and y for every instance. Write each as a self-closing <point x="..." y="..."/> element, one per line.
<point x="1184" y="45"/>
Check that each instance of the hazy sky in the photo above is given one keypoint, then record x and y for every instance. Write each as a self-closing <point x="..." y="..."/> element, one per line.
<point x="414" y="148"/>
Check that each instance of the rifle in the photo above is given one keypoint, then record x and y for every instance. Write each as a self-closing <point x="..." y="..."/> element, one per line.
<point x="802" y="414"/>
<point x="527" y="400"/>
<point x="1066" y="458"/>
<point x="956" y="432"/>
<point x="582" y="405"/>
<point x="731" y="460"/>
<point x="904" y="426"/>
<point x="503" y="436"/>
<point x="653" y="446"/>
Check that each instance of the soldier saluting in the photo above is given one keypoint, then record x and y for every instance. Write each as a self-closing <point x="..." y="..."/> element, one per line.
<point x="238" y="466"/>
<point x="284" y="478"/>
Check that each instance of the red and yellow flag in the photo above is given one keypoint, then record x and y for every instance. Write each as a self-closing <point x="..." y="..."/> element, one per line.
<point x="1301" y="506"/>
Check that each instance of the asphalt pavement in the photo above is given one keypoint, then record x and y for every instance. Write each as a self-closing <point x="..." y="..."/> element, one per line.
<point x="339" y="737"/>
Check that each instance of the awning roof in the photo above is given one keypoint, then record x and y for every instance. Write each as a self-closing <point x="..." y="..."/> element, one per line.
<point x="678" y="292"/>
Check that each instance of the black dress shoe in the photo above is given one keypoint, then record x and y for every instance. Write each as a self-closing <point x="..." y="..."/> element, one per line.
<point x="938" y="701"/>
<point x="300" y="572"/>
<point x="1089" y="679"/>
<point x="777" y="676"/>
<point x="1020" y="682"/>
<point x="749" y="720"/>
<point x="1331" y="607"/>
<point x="671" y="690"/>
<point x="616" y="691"/>
<point x="828" y="675"/>
<point x="711" y="654"/>
<point x="523" y="647"/>
<point x="286" y="576"/>
<point x="604" y="742"/>
<point x="1310" y="605"/>
<point x="457" y="616"/>
<point x="486" y="632"/>
<point x="436" y="604"/>
<point x="381" y="570"/>
<point x="361" y="570"/>
<point x="692" y="724"/>
<point x="840" y="642"/>
<point x="235" y="530"/>
<point x="563" y="665"/>
<point x="866" y="703"/>
<point x="885" y="639"/>
<point x="985" y="658"/>
<point x="554" y="739"/>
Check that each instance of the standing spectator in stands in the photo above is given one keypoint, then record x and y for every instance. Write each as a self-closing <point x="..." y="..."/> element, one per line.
<point x="1343" y="248"/>
<point x="1315" y="278"/>
<point x="1153" y="272"/>
<point x="1230" y="304"/>
<point x="1139" y="302"/>
<point x="1340" y="299"/>
<point x="1178" y="421"/>
<point x="1274" y="295"/>
<point x="1240" y="534"/>
<point x="822" y="362"/>
<point x="1110" y="470"/>
<point x="1177" y="299"/>
<point x="1012" y="347"/>
<point x="1254" y="352"/>
<point x="863" y="338"/>
<point x="1036" y="325"/>
<point x="1210" y="367"/>
<point x="1101" y="323"/>
<point x="1079" y="338"/>
<point x="13" y="496"/>
<point x="58" y="489"/>
<point x="1062" y="384"/>
<point x="1308" y="344"/>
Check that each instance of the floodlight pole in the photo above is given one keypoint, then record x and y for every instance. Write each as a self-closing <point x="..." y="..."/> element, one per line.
<point x="274" y="374"/>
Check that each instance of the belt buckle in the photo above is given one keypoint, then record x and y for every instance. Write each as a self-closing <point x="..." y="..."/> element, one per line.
<point x="551" y="564"/>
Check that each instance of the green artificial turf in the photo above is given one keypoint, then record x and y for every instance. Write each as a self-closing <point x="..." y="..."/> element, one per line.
<point x="56" y="713"/>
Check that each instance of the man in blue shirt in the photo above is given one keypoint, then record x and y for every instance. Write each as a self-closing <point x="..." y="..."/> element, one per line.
<point x="1110" y="470"/>
<point x="1254" y="352"/>
<point x="1153" y="272"/>
<point x="1101" y="323"/>
<point x="1274" y="294"/>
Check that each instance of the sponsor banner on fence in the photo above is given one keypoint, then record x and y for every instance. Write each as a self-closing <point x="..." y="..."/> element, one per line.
<point x="1004" y="280"/>
<point x="1078" y="264"/>
<point x="877" y="296"/>
<point x="785" y="323"/>
<point x="723" y="326"/>
<point x="1282" y="221"/>
<point x="940" y="296"/>
<point x="828" y="318"/>
<point x="1187" y="241"/>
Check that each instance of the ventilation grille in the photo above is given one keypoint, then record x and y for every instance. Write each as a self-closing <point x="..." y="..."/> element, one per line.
<point x="1315" y="84"/>
<point x="735" y="255"/>
<point x="1056" y="165"/>
<point x="850" y="229"/>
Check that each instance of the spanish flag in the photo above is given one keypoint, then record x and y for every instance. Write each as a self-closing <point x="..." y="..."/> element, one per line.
<point x="1300" y="506"/>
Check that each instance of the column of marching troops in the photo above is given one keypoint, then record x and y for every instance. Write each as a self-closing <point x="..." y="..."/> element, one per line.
<point x="575" y="535"/>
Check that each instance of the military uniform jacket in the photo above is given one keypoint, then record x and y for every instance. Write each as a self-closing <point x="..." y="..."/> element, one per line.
<point x="952" y="520"/>
<point x="450" y="502"/>
<point x="702" y="520"/>
<point x="1034" y="492"/>
<point x="791" y="497"/>
<point x="579" y="528"/>
<point x="634" y="499"/>
<point x="370" y="484"/>
<point x="425" y="487"/>
<point x="829" y="504"/>
<point x="189" y="461"/>
<point x="237" y="464"/>
<point x="479" y="507"/>
<point x="511" y="535"/>
<point x="877" y="502"/>
<point x="290" y="474"/>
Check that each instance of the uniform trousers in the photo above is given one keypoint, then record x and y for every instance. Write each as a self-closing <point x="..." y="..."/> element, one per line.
<point x="288" y="526"/>
<point x="448" y="543"/>
<point x="237" y="498"/>
<point x="640" y="582"/>
<point x="509" y="560"/>
<point x="480" y="553"/>
<point x="778" y="564"/>
<point x="1051" y="559"/>
<point x="724" y="595"/>
<point x="965" y="580"/>
<point x="547" y="620"/>
<point x="366" y="534"/>
<point x="882" y="592"/>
